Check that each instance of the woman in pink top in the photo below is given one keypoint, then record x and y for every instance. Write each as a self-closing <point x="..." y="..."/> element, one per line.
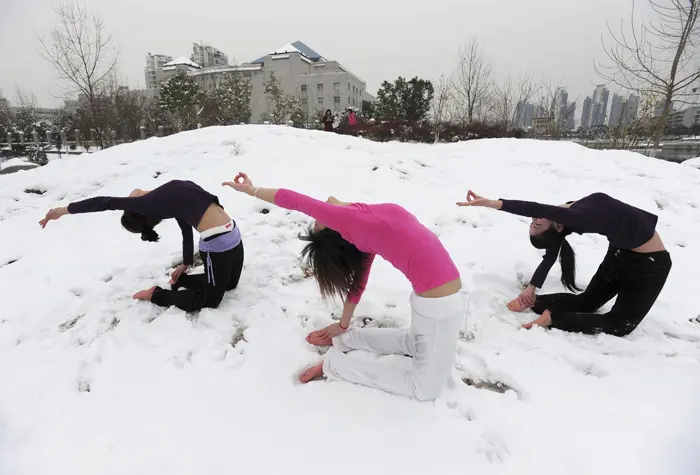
<point x="340" y="251"/>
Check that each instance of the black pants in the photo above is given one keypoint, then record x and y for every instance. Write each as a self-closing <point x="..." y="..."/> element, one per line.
<point x="636" y="279"/>
<point x="199" y="291"/>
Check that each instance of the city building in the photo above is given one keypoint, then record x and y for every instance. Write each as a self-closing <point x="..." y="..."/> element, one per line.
<point x="319" y="83"/>
<point x="42" y="114"/>
<point x="684" y="118"/>
<point x="543" y="126"/>
<point x="560" y="107"/>
<point x="525" y="111"/>
<point x="207" y="56"/>
<point x="616" y="110"/>
<point x="179" y="64"/>
<point x="631" y="110"/>
<point x="599" y="108"/>
<point x="154" y="69"/>
<point x="586" y="113"/>
<point x="570" y="122"/>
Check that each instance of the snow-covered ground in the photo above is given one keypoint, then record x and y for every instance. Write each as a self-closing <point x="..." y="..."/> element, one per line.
<point x="93" y="382"/>
<point x="692" y="162"/>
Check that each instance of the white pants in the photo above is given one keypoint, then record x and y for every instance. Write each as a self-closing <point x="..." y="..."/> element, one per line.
<point x="431" y="340"/>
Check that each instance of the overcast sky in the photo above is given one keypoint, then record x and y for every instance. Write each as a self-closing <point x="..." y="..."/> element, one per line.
<point x="376" y="39"/>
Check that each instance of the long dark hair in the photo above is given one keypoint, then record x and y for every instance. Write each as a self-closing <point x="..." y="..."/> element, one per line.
<point x="138" y="223"/>
<point x="555" y="240"/>
<point x="336" y="263"/>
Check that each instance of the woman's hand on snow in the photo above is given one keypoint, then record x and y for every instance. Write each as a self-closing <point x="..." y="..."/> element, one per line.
<point x="53" y="214"/>
<point x="524" y="301"/>
<point x="177" y="273"/>
<point x="241" y="183"/>
<point x="324" y="337"/>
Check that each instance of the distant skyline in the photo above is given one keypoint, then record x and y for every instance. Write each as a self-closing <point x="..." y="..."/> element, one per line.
<point x="555" y="42"/>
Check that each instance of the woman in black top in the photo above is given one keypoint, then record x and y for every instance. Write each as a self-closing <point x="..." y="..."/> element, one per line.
<point x="191" y="206"/>
<point x="634" y="269"/>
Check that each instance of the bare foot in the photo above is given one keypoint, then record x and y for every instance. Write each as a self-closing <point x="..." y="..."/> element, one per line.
<point x="545" y="320"/>
<point x="145" y="294"/>
<point x="312" y="373"/>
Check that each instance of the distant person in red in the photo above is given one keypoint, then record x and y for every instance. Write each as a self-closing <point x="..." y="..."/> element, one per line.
<point x="328" y="121"/>
<point x="352" y="120"/>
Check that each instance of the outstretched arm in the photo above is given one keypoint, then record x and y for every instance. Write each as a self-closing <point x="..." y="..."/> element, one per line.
<point x="330" y="215"/>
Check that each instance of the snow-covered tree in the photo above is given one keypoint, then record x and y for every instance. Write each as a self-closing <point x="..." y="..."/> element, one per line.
<point x="180" y="97"/>
<point x="230" y="102"/>
<point x="283" y="106"/>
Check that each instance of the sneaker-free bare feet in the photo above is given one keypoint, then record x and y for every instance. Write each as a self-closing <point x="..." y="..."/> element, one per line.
<point x="312" y="373"/>
<point x="545" y="320"/>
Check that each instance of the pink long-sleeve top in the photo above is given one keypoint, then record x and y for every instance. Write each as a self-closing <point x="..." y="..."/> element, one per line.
<point x="387" y="230"/>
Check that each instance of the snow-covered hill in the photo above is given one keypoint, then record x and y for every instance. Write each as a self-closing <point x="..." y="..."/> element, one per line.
<point x="93" y="382"/>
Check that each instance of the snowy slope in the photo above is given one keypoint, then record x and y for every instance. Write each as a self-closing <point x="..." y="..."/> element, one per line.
<point x="92" y="382"/>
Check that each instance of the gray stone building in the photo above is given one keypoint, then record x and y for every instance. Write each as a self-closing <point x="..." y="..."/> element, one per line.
<point x="320" y="84"/>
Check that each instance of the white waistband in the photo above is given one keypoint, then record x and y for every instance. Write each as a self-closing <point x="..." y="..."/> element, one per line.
<point x="439" y="307"/>
<point x="224" y="228"/>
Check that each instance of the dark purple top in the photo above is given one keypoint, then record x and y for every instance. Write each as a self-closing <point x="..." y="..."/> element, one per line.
<point x="183" y="200"/>
<point x="625" y="226"/>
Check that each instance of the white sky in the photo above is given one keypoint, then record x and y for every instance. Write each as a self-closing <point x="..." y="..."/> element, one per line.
<point x="376" y="39"/>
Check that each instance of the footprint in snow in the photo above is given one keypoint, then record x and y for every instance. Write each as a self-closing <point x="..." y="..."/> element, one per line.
<point x="68" y="324"/>
<point x="11" y="261"/>
<point x="587" y="368"/>
<point x="493" y="448"/>
<point x="83" y="386"/>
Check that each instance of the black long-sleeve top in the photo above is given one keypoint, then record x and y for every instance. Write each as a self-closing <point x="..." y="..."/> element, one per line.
<point x="625" y="226"/>
<point x="180" y="199"/>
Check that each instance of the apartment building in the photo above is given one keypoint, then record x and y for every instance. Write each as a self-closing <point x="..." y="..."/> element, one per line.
<point x="154" y="69"/>
<point x="207" y="56"/>
<point x="320" y="84"/>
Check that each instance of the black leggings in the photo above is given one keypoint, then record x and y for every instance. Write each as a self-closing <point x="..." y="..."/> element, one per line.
<point x="199" y="292"/>
<point x="636" y="279"/>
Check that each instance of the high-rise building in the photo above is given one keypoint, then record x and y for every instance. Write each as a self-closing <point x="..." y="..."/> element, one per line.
<point x="616" y="110"/>
<point x="586" y="113"/>
<point x="631" y="110"/>
<point x="154" y="69"/>
<point x="560" y="107"/>
<point x="599" y="108"/>
<point x="570" y="123"/>
<point x="207" y="56"/>
<point x="524" y="113"/>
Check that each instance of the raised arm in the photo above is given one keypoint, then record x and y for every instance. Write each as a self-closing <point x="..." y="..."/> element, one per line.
<point x="330" y="215"/>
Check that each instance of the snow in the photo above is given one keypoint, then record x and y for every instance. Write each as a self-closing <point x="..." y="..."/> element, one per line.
<point x="692" y="162"/>
<point x="182" y="60"/>
<point x="288" y="48"/>
<point x="17" y="161"/>
<point x="93" y="382"/>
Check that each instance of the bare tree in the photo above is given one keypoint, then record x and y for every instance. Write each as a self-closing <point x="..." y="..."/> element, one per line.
<point x="439" y="109"/>
<point x="474" y="78"/>
<point x="657" y="59"/>
<point x="79" y="50"/>
<point x="509" y="98"/>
